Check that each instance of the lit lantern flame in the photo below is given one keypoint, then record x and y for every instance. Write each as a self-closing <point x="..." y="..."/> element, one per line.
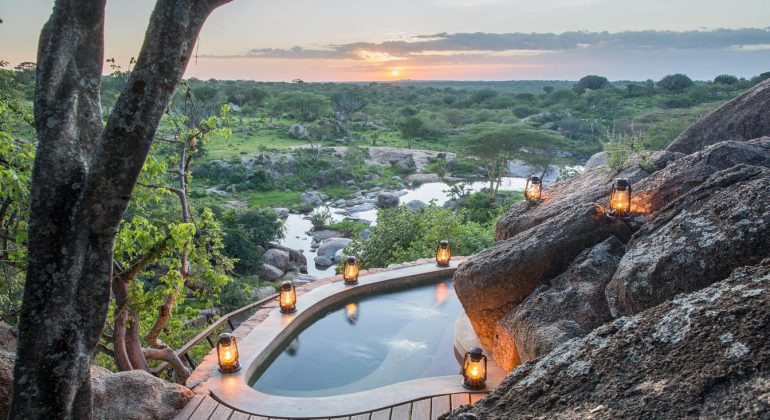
<point x="227" y="353"/>
<point x="533" y="190"/>
<point x="288" y="297"/>
<point x="443" y="254"/>
<point x="350" y="271"/>
<point x="620" y="200"/>
<point x="474" y="369"/>
<point x="351" y="313"/>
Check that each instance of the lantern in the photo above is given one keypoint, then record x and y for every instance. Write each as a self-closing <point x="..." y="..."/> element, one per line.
<point x="474" y="369"/>
<point x="351" y="313"/>
<point x="350" y="271"/>
<point x="620" y="200"/>
<point x="443" y="254"/>
<point x="227" y="353"/>
<point x="533" y="189"/>
<point x="287" y="299"/>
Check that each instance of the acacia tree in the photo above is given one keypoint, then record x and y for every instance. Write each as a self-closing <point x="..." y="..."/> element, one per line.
<point x="83" y="176"/>
<point x="493" y="146"/>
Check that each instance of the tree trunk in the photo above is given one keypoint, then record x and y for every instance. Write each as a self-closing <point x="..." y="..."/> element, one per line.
<point x="81" y="184"/>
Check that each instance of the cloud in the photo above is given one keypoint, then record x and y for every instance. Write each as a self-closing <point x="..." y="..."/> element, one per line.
<point x="524" y="44"/>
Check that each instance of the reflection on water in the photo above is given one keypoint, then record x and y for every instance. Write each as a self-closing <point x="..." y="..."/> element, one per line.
<point x="376" y="341"/>
<point x="351" y="313"/>
<point x="442" y="293"/>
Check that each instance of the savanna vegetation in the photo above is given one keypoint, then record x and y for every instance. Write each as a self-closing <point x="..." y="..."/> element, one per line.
<point x="181" y="247"/>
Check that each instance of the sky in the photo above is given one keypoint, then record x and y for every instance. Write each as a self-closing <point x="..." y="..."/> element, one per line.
<point x="365" y="40"/>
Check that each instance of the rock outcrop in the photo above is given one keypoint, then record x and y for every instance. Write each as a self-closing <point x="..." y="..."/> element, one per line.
<point x="387" y="200"/>
<point x="702" y="355"/>
<point x="571" y="305"/>
<point x="495" y="280"/>
<point x="743" y="118"/>
<point x="696" y="240"/>
<point x="591" y="186"/>
<point x="126" y="395"/>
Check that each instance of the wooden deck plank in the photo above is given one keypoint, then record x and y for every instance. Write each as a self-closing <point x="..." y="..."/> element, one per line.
<point x="222" y="412"/>
<point x="257" y="418"/>
<point x="239" y="415"/>
<point x="190" y="407"/>
<point x="401" y="412"/>
<point x="381" y="415"/>
<point x="204" y="411"/>
<point x="439" y="406"/>
<point x="364" y="416"/>
<point x="458" y="400"/>
<point x="477" y="396"/>
<point x="421" y="409"/>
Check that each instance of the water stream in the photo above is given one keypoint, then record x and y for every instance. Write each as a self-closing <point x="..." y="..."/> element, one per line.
<point x="297" y="225"/>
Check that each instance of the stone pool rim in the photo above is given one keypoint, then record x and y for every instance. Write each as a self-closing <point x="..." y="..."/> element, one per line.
<point x="268" y="337"/>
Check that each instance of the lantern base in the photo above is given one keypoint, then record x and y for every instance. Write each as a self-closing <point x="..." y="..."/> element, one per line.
<point x="233" y="369"/>
<point x="438" y="264"/>
<point x="614" y="217"/>
<point x="289" y="310"/>
<point x="471" y="387"/>
<point x="351" y="283"/>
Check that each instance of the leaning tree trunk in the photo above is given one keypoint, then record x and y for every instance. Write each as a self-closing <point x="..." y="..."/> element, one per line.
<point x="81" y="184"/>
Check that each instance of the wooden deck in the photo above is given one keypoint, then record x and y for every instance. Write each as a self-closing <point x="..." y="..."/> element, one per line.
<point x="206" y="408"/>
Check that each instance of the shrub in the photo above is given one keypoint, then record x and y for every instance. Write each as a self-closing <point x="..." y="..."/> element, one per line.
<point x="726" y="79"/>
<point x="675" y="82"/>
<point x="402" y="235"/>
<point x="592" y="82"/>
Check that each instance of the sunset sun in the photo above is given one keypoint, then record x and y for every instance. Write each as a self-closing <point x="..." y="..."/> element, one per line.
<point x="394" y="73"/>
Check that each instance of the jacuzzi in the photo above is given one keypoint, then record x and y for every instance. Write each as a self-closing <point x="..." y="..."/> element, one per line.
<point x="350" y="349"/>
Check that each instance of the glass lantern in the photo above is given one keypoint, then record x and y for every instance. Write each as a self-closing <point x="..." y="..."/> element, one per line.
<point x="350" y="271"/>
<point x="474" y="369"/>
<point x="533" y="190"/>
<point x="443" y="254"/>
<point x="287" y="299"/>
<point x="620" y="200"/>
<point x="227" y="353"/>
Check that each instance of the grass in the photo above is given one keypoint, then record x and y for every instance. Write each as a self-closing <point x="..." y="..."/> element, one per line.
<point x="240" y="144"/>
<point x="273" y="198"/>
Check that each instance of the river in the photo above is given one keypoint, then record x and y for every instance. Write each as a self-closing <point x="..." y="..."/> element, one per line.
<point x="297" y="225"/>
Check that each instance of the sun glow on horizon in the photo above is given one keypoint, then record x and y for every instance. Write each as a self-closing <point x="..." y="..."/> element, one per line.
<point x="394" y="72"/>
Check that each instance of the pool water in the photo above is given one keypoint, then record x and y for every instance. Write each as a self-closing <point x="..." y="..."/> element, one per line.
<point x="371" y="342"/>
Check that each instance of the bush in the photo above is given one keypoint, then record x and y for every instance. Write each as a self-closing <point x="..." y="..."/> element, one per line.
<point x="402" y="235"/>
<point x="726" y="79"/>
<point x="245" y="232"/>
<point x="675" y="82"/>
<point x="592" y="82"/>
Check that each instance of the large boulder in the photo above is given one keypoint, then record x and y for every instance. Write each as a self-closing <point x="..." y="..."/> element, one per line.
<point x="591" y="186"/>
<point x="743" y="118"/>
<point x="299" y="132"/>
<point x="8" y="337"/>
<point x="329" y="247"/>
<point x="296" y="258"/>
<point x="405" y="164"/>
<point x="568" y="306"/>
<point x="656" y="191"/>
<point x="311" y="198"/>
<point x="278" y="259"/>
<point x="125" y="395"/>
<point x="270" y="273"/>
<point x="7" y="359"/>
<point x="386" y="200"/>
<point x="491" y="283"/>
<point x="696" y="240"/>
<point x="702" y="355"/>
<point x="416" y="205"/>
<point x="135" y="395"/>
